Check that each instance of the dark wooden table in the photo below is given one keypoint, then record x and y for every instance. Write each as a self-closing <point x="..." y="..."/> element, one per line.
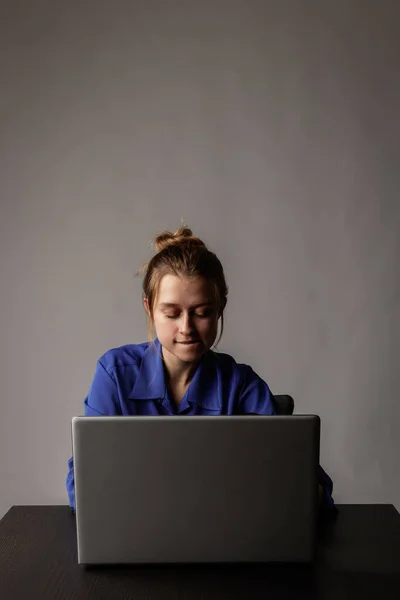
<point x="358" y="557"/>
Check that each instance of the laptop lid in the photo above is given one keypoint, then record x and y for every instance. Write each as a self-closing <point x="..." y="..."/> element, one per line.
<point x="196" y="489"/>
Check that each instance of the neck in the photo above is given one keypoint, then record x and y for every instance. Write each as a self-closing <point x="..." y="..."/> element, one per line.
<point x="179" y="373"/>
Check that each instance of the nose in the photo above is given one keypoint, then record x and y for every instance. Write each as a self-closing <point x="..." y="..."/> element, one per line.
<point x="186" y="325"/>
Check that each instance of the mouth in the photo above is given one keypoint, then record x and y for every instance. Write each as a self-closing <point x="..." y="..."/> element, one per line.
<point x="190" y="343"/>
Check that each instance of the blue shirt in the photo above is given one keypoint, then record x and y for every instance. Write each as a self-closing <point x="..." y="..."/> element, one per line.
<point x="131" y="381"/>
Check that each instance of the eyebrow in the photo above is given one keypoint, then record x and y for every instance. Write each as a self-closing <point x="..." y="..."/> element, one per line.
<point x="166" y="305"/>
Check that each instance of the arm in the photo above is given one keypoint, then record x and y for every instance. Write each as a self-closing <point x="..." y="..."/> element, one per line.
<point x="325" y="490"/>
<point x="256" y="398"/>
<point x="103" y="396"/>
<point x="102" y="400"/>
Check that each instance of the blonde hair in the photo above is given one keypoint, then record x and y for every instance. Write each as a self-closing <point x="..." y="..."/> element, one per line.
<point x="182" y="254"/>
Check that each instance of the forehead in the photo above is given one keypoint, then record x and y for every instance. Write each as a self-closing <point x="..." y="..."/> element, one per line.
<point x="184" y="291"/>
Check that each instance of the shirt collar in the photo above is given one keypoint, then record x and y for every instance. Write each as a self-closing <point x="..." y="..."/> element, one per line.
<point x="204" y="389"/>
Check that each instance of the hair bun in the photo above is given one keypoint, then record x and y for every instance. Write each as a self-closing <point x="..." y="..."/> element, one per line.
<point x="182" y="236"/>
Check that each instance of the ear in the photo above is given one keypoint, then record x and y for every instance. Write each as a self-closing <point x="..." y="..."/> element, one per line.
<point x="146" y="306"/>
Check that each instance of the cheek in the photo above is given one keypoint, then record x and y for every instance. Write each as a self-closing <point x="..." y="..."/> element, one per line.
<point x="208" y="329"/>
<point x="164" y="327"/>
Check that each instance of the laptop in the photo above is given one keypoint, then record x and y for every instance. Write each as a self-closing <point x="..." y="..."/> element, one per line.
<point x="196" y="489"/>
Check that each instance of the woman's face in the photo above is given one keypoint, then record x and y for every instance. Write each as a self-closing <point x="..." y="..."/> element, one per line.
<point x="185" y="317"/>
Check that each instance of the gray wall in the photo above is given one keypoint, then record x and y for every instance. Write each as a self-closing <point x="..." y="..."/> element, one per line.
<point x="273" y="129"/>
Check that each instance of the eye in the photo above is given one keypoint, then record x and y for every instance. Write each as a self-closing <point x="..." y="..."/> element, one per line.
<point x="204" y="314"/>
<point x="171" y="316"/>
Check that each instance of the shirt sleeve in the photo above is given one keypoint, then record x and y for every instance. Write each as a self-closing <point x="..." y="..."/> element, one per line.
<point x="70" y="484"/>
<point x="327" y="485"/>
<point x="255" y="396"/>
<point x="102" y="400"/>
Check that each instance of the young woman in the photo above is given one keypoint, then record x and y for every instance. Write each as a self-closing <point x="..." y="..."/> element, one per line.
<point x="184" y="295"/>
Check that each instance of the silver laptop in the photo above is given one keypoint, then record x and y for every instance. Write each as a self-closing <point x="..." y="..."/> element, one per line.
<point x="196" y="489"/>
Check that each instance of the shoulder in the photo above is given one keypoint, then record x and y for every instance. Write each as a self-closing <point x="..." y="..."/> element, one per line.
<point x="252" y="394"/>
<point x="227" y="365"/>
<point x="227" y="362"/>
<point x="115" y="376"/>
<point x="124" y="356"/>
